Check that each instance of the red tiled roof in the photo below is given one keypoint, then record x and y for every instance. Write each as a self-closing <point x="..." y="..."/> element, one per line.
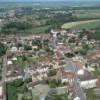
<point x="67" y="75"/>
<point x="95" y="54"/>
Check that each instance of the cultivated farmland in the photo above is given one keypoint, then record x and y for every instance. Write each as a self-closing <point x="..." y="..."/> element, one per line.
<point x="82" y="24"/>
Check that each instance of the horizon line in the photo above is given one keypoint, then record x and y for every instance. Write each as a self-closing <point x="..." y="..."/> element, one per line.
<point x="53" y="1"/>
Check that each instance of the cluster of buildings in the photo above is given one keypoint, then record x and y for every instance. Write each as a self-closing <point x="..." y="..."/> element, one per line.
<point x="38" y="56"/>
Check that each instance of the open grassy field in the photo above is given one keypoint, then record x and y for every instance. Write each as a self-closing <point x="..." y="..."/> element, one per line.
<point x="82" y="24"/>
<point x="41" y="29"/>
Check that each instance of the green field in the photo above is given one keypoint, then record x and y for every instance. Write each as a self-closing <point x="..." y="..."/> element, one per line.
<point x="82" y="24"/>
<point x="41" y="29"/>
<point x="88" y="25"/>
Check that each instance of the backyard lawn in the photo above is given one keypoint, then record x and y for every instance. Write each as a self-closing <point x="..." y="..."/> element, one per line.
<point x="97" y="73"/>
<point x="90" y="94"/>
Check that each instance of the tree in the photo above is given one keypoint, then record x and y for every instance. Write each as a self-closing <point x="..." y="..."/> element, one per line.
<point x="37" y="43"/>
<point x="54" y="83"/>
<point x="51" y="95"/>
<point x="19" y="45"/>
<point x="3" y="49"/>
<point x="84" y="50"/>
<point x="52" y="73"/>
<point x="72" y="40"/>
<point x="24" y="58"/>
<point x="16" y="26"/>
<point x="26" y="47"/>
<point x="70" y="55"/>
<point x="18" y="83"/>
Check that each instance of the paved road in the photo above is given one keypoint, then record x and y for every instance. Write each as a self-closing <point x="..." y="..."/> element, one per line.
<point x="4" y="76"/>
<point x="77" y="90"/>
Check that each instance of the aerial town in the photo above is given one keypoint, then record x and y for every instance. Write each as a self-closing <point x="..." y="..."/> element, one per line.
<point x="58" y="64"/>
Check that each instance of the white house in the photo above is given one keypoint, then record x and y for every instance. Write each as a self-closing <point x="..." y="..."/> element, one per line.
<point x="14" y="49"/>
<point x="88" y="83"/>
<point x="90" y="69"/>
<point x="14" y="59"/>
<point x="78" y="58"/>
<point x="77" y="98"/>
<point x="9" y="62"/>
<point x="42" y="70"/>
<point x="80" y="72"/>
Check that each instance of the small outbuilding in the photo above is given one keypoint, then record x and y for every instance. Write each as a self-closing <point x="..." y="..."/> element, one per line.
<point x="80" y="72"/>
<point x="9" y="62"/>
<point x="77" y="98"/>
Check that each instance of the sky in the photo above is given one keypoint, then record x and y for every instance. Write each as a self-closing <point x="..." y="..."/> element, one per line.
<point x="43" y="0"/>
